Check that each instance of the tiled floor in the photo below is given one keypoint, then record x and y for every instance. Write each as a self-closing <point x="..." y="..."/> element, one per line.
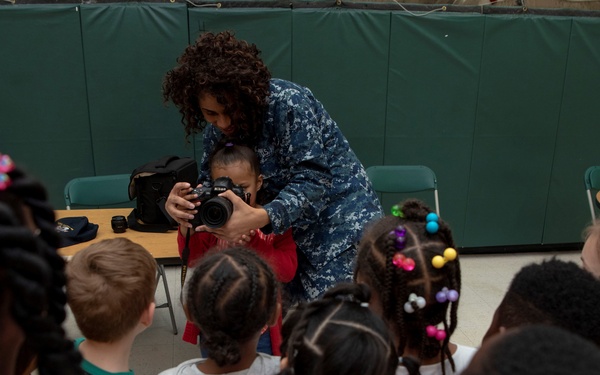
<point x="484" y="281"/>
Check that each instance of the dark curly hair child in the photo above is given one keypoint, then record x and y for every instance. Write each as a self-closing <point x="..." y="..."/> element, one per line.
<point x="553" y="292"/>
<point x="410" y="262"/>
<point x="337" y="335"/>
<point x="536" y="350"/>
<point x="232" y="296"/>
<point x="32" y="280"/>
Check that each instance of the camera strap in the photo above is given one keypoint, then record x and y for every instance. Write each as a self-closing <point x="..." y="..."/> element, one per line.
<point x="185" y="254"/>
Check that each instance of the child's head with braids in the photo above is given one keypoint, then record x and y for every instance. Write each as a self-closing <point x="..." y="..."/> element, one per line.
<point x="410" y="262"/>
<point x="232" y="296"/>
<point x="337" y="335"/>
<point x="32" y="280"/>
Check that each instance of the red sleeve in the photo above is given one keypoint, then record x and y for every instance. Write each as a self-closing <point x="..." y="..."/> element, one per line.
<point x="279" y="251"/>
<point x="200" y="243"/>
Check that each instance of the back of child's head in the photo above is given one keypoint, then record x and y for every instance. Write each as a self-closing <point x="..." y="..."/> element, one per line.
<point x="410" y="262"/>
<point x="552" y="292"/>
<point x="110" y="284"/>
<point x="32" y="276"/>
<point x="228" y="152"/>
<point x="231" y="295"/>
<point x="338" y="335"/>
<point x="536" y="350"/>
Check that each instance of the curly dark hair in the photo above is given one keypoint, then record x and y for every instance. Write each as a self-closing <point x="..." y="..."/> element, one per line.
<point x="394" y="285"/>
<point x="228" y="69"/>
<point x="231" y="295"/>
<point x="338" y="334"/>
<point x="536" y="350"/>
<point x="32" y="277"/>
<point x="553" y="292"/>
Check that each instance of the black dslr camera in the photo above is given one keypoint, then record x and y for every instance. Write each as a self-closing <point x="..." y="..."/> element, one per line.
<point x="214" y="211"/>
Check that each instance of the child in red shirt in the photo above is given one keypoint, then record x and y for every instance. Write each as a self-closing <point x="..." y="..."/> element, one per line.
<point x="241" y="164"/>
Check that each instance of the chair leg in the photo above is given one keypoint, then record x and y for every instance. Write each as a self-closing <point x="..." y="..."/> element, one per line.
<point x="161" y="273"/>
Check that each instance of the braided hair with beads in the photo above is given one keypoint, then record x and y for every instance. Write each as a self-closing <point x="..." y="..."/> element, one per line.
<point x="32" y="278"/>
<point x="338" y="335"/>
<point x="231" y="295"/>
<point x="413" y="269"/>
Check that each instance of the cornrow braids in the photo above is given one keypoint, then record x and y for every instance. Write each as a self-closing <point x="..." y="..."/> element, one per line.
<point x="32" y="273"/>
<point x="231" y="296"/>
<point x="375" y="266"/>
<point x="229" y="69"/>
<point x="338" y="334"/>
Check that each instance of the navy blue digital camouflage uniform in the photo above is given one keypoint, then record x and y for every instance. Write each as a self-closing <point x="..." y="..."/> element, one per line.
<point x="319" y="186"/>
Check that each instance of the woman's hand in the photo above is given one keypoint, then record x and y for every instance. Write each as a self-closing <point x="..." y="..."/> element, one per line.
<point x="241" y="226"/>
<point x="178" y="204"/>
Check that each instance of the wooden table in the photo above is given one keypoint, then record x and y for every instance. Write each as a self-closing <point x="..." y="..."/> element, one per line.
<point x="162" y="246"/>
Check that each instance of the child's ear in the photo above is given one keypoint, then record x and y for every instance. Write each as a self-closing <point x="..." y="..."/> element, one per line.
<point x="148" y="315"/>
<point x="259" y="181"/>
<point x="276" y="315"/>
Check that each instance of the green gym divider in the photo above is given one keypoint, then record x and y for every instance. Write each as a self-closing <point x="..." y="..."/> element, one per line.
<point x="44" y="123"/>
<point x="501" y="107"/>
<point x="516" y="120"/>
<point x="577" y="140"/>
<point x="129" y="47"/>
<point x="432" y="101"/>
<point x="350" y="81"/>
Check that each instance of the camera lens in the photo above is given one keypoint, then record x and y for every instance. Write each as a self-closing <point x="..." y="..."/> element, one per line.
<point x="215" y="212"/>
<point x="118" y="224"/>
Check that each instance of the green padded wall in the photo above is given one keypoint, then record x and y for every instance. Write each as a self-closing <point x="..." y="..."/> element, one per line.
<point x="521" y="88"/>
<point x="501" y="107"/>
<point x="44" y="122"/>
<point x="432" y="101"/>
<point x="128" y="49"/>
<point x="577" y="138"/>
<point x="350" y="81"/>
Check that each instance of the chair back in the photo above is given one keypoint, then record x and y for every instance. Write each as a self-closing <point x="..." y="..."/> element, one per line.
<point x="592" y="183"/>
<point x="98" y="191"/>
<point x="404" y="179"/>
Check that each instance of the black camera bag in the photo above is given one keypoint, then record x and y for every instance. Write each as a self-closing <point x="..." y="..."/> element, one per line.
<point x="151" y="184"/>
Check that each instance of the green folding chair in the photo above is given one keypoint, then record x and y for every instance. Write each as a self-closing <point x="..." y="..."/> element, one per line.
<point x="404" y="179"/>
<point x="98" y="191"/>
<point x="592" y="183"/>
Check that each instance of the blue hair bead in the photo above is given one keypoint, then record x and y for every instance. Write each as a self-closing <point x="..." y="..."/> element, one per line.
<point x="432" y="227"/>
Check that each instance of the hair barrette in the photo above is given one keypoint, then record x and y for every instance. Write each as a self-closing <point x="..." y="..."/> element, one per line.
<point x="432" y="225"/>
<point x="399" y="235"/>
<point x="6" y="166"/>
<point x="364" y="304"/>
<point x="439" y="261"/>
<point x="401" y="261"/>
<point x="397" y="211"/>
<point x="5" y="181"/>
<point x="229" y="144"/>
<point x="414" y="301"/>
<point x="445" y="295"/>
<point x="433" y="331"/>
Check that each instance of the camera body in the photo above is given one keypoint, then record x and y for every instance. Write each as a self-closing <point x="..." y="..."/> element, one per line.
<point x="214" y="211"/>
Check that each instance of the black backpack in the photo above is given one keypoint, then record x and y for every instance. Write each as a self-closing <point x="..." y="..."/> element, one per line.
<point x="151" y="184"/>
